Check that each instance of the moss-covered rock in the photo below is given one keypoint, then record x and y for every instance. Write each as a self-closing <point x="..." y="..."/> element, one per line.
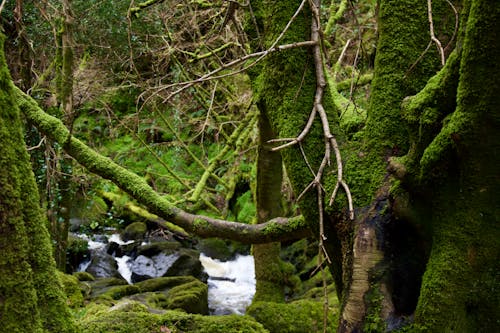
<point x="100" y="286"/>
<point x="74" y="297"/>
<point x="84" y="276"/>
<point x="162" y="283"/>
<point x="135" y="231"/>
<point x="191" y="297"/>
<point x="136" y="319"/>
<point x="179" y="292"/>
<point x="296" y="317"/>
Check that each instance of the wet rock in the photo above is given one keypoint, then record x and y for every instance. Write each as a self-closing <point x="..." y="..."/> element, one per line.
<point x="188" y="263"/>
<point x="166" y="259"/>
<point x="103" y="265"/>
<point x="146" y="268"/>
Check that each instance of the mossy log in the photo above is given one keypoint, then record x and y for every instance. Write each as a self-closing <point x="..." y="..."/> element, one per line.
<point x="137" y="187"/>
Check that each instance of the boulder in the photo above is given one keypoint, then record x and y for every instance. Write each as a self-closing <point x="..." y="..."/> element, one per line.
<point x="103" y="265"/>
<point x="166" y="259"/>
<point x="135" y="231"/>
<point x="144" y="268"/>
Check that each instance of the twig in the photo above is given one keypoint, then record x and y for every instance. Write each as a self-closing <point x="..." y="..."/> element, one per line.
<point x="259" y="55"/>
<point x="2" y="5"/>
<point x="41" y="141"/>
<point x="431" y="31"/>
<point x="455" y="31"/>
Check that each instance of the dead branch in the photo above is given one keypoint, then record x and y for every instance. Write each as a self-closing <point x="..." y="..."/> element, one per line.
<point x="433" y="36"/>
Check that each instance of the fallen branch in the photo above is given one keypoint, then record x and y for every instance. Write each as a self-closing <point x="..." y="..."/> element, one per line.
<point x="277" y="229"/>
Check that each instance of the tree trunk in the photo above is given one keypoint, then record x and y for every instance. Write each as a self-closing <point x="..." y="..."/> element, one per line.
<point x="460" y="288"/>
<point x="268" y="273"/>
<point x="31" y="298"/>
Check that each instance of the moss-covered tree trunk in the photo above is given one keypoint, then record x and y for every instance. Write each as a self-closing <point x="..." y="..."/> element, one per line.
<point x="460" y="181"/>
<point x="61" y="191"/>
<point x="268" y="273"/>
<point x="401" y="247"/>
<point x="31" y="297"/>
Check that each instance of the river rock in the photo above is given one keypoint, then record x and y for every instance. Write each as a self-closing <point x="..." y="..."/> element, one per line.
<point x="166" y="259"/>
<point x="103" y="265"/>
<point x="144" y="268"/>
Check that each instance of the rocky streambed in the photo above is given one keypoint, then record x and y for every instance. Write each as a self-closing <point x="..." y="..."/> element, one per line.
<point x="164" y="274"/>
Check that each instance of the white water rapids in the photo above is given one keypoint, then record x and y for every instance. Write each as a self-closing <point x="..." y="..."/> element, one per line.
<point x="231" y="284"/>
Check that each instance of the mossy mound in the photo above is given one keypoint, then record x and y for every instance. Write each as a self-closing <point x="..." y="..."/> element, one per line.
<point x="296" y="317"/>
<point x="133" y="317"/>
<point x="169" y="293"/>
<point x="135" y="231"/>
<point x="84" y="276"/>
<point x="165" y="293"/>
<point x="74" y="297"/>
<point x="163" y="283"/>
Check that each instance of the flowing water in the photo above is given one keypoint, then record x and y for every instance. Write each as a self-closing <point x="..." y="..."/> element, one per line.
<point x="231" y="284"/>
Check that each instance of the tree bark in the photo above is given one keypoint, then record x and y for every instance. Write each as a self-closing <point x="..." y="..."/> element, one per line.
<point x="31" y="297"/>
<point x="268" y="272"/>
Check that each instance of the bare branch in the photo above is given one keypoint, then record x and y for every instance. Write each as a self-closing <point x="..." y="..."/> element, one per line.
<point x="259" y="55"/>
<point x="431" y="31"/>
<point x="2" y="5"/>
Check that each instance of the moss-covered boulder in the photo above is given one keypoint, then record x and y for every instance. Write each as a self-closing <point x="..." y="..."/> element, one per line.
<point x="135" y="231"/>
<point x="101" y="286"/>
<point x="191" y="297"/>
<point x="178" y="292"/>
<point x="163" y="283"/>
<point x="135" y="318"/>
<point x="295" y="317"/>
<point x="84" y="276"/>
<point x="74" y="296"/>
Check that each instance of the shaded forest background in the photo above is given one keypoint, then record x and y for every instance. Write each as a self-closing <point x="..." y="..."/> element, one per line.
<point x="393" y="194"/>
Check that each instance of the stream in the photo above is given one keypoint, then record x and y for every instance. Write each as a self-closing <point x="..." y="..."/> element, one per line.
<point x="231" y="284"/>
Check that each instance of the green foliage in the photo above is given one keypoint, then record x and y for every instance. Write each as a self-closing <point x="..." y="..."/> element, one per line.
<point x="245" y="208"/>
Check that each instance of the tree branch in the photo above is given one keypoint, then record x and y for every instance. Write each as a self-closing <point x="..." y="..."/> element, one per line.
<point x="277" y="229"/>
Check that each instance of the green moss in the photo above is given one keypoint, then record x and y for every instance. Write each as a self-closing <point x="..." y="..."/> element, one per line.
<point x="32" y="298"/>
<point x="135" y="231"/>
<point x="161" y="283"/>
<point x="373" y="319"/>
<point x="84" y="276"/>
<point x="123" y="321"/>
<point x="296" y="317"/>
<point x="117" y="292"/>
<point x="191" y="297"/>
<point x="74" y="297"/>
